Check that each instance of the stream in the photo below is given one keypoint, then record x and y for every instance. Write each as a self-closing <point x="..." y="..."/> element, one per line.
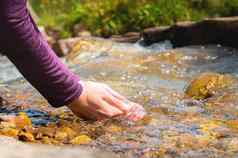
<point x="156" y="77"/>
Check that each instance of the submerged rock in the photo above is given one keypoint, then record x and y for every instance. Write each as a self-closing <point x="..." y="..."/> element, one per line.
<point x="26" y="136"/>
<point x="207" y="84"/>
<point x="22" y="121"/>
<point x="83" y="139"/>
<point x="10" y="132"/>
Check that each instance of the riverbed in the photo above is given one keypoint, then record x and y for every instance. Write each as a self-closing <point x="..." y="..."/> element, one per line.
<point x="155" y="76"/>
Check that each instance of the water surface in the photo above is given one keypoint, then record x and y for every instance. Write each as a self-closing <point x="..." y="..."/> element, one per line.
<point x="156" y="77"/>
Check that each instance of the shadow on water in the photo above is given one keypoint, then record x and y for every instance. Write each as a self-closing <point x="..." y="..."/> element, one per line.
<point x="155" y="76"/>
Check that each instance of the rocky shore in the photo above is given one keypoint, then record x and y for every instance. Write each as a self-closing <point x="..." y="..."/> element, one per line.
<point x="218" y="31"/>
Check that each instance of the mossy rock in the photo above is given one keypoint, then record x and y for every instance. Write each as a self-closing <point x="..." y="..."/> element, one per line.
<point x="207" y="84"/>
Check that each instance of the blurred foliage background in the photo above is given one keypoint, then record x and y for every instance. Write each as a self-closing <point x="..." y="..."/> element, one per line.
<point x="108" y="17"/>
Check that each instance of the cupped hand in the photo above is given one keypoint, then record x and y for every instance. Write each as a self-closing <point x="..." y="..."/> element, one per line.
<point x="98" y="101"/>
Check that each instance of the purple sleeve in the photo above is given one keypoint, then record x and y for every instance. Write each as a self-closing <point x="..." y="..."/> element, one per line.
<point x="23" y="44"/>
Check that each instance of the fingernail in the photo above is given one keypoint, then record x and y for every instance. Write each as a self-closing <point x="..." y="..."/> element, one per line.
<point x="126" y="107"/>
<point x="119" y="112"/>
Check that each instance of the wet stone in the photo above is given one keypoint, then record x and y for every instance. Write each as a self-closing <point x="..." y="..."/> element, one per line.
<point x="79" y="140"/>
<point x="207" y="84"/>
<point x="26" y="137"/>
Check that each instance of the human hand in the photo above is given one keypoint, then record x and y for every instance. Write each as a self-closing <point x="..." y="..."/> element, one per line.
<point x="98" y="101"/>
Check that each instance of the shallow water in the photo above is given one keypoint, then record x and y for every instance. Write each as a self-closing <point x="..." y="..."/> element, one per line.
<point x="156" y="76"/>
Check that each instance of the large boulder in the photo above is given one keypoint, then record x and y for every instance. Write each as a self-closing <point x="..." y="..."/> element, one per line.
<point x="222" y="31"/>
<point x="208" y="84"/>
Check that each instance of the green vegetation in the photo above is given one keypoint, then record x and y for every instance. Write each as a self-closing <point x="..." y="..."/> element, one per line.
<point x="107" y="17"/>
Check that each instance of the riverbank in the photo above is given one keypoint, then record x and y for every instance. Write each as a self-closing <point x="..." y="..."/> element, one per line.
<point x="216" y="31"/>
<point x="110" y="17"/>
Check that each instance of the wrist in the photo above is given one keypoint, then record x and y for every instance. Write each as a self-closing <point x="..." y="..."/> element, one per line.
<point x="77" y="98"/>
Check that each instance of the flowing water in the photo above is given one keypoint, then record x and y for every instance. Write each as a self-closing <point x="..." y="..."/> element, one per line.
<point x="156" y="77"/>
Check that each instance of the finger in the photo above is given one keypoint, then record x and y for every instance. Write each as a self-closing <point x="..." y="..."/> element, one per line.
<point x="117" y="103"/>
<point x="108" y="110"/>
<point x="136" y="113"/>
<point x="114" y="93"/>
<point x="135" y="117"/>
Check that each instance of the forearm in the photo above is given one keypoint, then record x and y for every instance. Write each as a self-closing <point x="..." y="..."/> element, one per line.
<point x="26" y="48"/>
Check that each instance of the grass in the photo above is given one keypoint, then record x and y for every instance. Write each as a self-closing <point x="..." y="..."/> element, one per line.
<point x="108" y="17"/>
